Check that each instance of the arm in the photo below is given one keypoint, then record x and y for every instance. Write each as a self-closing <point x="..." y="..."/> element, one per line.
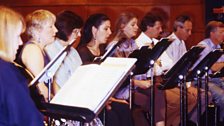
<point x="217" y="66"/>
<point x="33" y="59"/>
<point x="144" y="84"/>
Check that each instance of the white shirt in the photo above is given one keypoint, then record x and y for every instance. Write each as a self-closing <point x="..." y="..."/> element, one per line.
<point x="176" y="49"/>
<point x="68" y="66"/>
<point x="142" y="40"/>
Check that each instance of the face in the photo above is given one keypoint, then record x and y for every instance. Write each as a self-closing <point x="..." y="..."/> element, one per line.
<point x="218" y="35"/>
<point x="48" y="32"/>
<point x="155" y="30"/>
<point x="131" y="28"/>
<point x="103" y="32"/>
<point x="185" y="31"/>
<point x="17" y="39"/>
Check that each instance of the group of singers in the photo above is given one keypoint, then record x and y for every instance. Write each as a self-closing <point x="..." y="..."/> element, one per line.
<point x="48" y="34"/>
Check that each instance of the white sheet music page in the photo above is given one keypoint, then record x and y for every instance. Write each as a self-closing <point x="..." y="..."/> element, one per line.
<point x="91" y="85"/>
<point x="121" y="63"/>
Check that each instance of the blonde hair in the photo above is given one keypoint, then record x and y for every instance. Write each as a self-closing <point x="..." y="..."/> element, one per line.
<point x="9" y="21"/>
<point x="36" y="20"/>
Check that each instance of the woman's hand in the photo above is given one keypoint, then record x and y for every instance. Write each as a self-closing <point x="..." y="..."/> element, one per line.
<point x="144" y="84"/>
<point x="43" y="90"/>
<point x="108" y="106"/>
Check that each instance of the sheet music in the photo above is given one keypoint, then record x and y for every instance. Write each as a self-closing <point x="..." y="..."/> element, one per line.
<point x="91" y="85"/>
<point x="121" y="63"/>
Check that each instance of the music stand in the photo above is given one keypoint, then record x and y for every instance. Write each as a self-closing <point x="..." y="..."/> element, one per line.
<point x="51" y="68"/>
<point x="218" y="74"/>
<point x="110" y="51"/>
<point x="198" y="72"/>
<point x="45" y="76"/>
<point x="146" y="58"/>
<point x="176" y="75"/>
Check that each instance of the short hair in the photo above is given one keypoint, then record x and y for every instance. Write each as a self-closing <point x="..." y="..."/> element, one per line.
<point x="9" y="21"/>
<point x="121" y="22"/>
<point x="179" y="21"/>
<point x="66" y="22"/>
<point x="212" y="26"/>
<point x="94" y="20"/>
<point x="36" y="20"/>
<point x="149" y="20"/>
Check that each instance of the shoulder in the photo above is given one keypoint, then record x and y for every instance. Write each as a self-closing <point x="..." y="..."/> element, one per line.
<point x="5" y="66"/>
<point x="31" y="50"/>
<point x="84" y="53"/>
<point x="11" y="73"/>
<point x="205" y="42"/>
<point x="82" y="49"/>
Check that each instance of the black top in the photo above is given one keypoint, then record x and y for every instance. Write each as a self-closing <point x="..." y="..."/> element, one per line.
<point x="87" y="56"/>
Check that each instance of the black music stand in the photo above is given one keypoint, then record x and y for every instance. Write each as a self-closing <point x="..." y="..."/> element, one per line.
<point x="46" y="76"/>
<point x="218" y="74"/>
<point x="110" y="51"/>
<point x="176" y="75"/>
<point x="198" y="72"/>
<point x="146" y="58"/>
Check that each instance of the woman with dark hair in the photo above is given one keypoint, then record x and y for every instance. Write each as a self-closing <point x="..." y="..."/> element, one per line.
<point x="69" y="26"/>
<point x="95" y="34"/>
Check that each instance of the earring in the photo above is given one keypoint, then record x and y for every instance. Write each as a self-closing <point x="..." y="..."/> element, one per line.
<point x="38" y="40"/>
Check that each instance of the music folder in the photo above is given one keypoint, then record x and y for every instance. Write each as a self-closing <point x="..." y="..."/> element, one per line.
<point x="218" y="74"/>
<point x="85" y="93"/>
<point x="171" y="78"/>
<point x="207" y="61"/>
<point x="145" y="55"/>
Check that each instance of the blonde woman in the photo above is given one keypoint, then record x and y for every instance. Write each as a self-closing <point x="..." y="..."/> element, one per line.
<point x="41" y="32"/>
<point x="126" y="28"/>
<point x="16" y="106"/>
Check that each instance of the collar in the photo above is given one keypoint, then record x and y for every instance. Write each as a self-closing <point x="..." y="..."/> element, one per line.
<point x="211" y="44"/>
<point x="177" y="41"/>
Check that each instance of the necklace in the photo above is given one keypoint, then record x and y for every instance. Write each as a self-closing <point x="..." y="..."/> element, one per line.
<point x="94" y="51"/>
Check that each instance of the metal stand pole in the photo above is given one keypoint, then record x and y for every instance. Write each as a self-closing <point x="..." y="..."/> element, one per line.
<point x="183" y="101"/>
<point x="49" y="81"/>
<point x="206" y="97"/>
<point x="152" y="94"/>
<point x="131" y="92"/>
<point x="104" y="117"/>
<point x="199" y="99"/>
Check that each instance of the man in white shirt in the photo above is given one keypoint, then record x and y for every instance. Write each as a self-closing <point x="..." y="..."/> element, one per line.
<point x="151" y="26"/>
<point x="182" y="30"/>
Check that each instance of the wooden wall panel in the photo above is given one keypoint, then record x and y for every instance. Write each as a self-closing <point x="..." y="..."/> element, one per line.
<point x="185" y="2"/>
<point x="197" y="13"/>
<point x="113" y="8"/>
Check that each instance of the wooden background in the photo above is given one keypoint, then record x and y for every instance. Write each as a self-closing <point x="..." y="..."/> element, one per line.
<point x="168" y="8"/>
